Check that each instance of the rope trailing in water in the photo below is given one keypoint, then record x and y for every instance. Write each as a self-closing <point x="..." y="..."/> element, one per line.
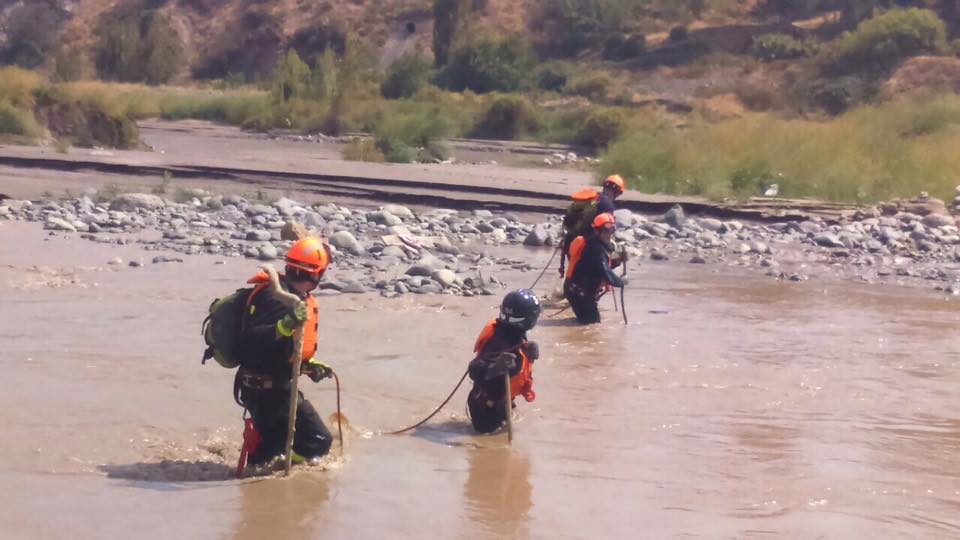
<point x="442" y="405"/>
<point x="339" y="415"/>
<point x="545" y="268"/>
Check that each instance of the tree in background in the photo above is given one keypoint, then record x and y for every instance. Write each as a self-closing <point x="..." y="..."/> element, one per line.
<point x="140" y="47"/>
<point x="33" y="31"/>
<point x="449" y="17"/>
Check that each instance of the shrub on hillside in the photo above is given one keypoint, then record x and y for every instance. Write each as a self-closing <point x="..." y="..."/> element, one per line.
<point x="600" y="128"/>
<point x="32" y="31"/>
<point x="551" y="76"/>
<point x="507" y="118"/>
<point x="406" y="76"/>
<point x="590" y="85"/>
<point x="882" y="41"/>
<point x="489" y="66"/>
<point x="623" y="47"/>
<point x="16" y="121"/>
<point x="837" y="95"/>
<point x="780" y="47"/>
<point x="363" y="150"/>
<point x="572" y="26"/>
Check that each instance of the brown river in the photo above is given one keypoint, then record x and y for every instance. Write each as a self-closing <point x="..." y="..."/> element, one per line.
<point x="731" y="406"/>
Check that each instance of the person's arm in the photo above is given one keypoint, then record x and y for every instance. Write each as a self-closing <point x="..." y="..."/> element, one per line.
<point x="260" y="341"/>
<point x="599" y="264"/>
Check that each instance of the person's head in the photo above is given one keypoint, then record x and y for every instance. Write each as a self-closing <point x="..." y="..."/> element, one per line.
<point x="604" y="225"/>
<point x="614" y="185"/>
<point x="520" y="309"/>
<point x="307" y="260"/>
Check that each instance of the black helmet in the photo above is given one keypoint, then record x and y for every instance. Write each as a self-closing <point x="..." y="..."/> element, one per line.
<point x="520" y="308"/>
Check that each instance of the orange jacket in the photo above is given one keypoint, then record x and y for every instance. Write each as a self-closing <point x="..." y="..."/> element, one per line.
<point x="576" y="250"/>
<point x="261" y="282"/>
<point x="521" y="384"/>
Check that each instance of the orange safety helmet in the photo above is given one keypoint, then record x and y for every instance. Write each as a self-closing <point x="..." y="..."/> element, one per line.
<point x="309" y="255"/>
<point x="604" y="220"/>
<point x="616" y="181"/>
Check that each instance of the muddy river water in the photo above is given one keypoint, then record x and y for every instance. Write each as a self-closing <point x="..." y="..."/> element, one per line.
<point x="731" y="406"/>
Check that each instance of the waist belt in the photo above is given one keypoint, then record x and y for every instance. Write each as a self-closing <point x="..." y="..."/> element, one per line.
<point x="580" y="291"/>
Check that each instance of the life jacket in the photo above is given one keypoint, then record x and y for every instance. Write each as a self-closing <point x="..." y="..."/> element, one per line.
<point x="309" y="335"/>
<point x="521" y="384"/>
<point x="576" y="251"/>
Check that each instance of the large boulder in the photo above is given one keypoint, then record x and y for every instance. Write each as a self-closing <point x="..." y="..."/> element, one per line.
<point x="675" y="217"/>
<point x="537" y="237"/>
<point x="426" y="266"/>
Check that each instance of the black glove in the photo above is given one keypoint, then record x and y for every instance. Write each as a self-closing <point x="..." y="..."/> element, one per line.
<point x="531" y="349"/>
<point x="501" y="365"/>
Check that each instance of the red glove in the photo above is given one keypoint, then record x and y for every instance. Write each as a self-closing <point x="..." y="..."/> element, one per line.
<point x="527" y="392"/>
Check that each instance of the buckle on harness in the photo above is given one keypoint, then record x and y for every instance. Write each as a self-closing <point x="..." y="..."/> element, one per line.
<point x="256" y="382"/>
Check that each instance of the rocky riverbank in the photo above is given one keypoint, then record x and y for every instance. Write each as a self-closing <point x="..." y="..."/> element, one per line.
<point x="394" y="250"/>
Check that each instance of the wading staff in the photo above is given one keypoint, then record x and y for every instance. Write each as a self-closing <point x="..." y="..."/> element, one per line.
<point x="295" y="360"/>
<point x="507" y="402"/>
<point x="339" y="414"/>
<point x="623" y="305"/>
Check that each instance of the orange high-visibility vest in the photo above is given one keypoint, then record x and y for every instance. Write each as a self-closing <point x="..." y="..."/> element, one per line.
<point x="522" y="382"/>
<point x="309" y="336"/>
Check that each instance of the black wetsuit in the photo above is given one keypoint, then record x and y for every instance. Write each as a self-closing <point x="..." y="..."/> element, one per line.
<point x="591" y="274"/>
<point x="263" y="385"/>
<point x="486" y="400"/>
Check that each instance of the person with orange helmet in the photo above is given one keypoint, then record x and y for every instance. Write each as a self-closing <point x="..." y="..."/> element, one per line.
<point x="586" y="205"/>
<point x="591" y="270"/>
<point x="262" y="384"/>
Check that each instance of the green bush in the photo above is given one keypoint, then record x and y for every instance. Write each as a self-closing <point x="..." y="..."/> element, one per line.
<point x="594" y="85"/>
<point x="14" y="121"/>
<point x="837" y="95"/>
<point x="507" y="118"/>
<point x="363" y="150"/>
<point x="490" y="66"/>
<point x="780" y="46"/>
<point x="622" y="47"/>
<point x="395" y="150"/>
<point x="551" y="76"/>
<point x="575" y="25"/>
<point x="600" y="128"/>
<point x="406" y="77"/>
<point x="880" y="42"/>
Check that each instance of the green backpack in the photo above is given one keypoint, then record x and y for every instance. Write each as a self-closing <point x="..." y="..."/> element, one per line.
<point x="223" y="326"/>
<point x="581" y="212"/>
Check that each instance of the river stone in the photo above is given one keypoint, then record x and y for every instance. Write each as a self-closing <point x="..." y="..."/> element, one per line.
<point x="293" y="231"/>
<point x="57" y="224"/>
<point x="499" y="236"/>
<point x="445" y="277"/>
<point x="827" y="240"/>
<point x="937" y="220"/>
<point x="697" y="259"/>
<point x="429" y="288"/>
<point x="537" y="237"/>
<point x="166" y="259"/>
<point x="127" y="202"/>
<point x="710" y="224"/>
<point x="345" y="241"/>
<point x="382" y="217"/>
<point x="624" y="218"/>
<point x="401" y="288"/>
<point x="675" y="217"/>
<point x="393" y="251"/>
<point x="809" y="227"/>
<point x="399" y="211"/>
<point x="658" y="256"/>
<point x="260" y="210"/>
<point x="426" y="266"/>
<point x="731" y="226"/>
<point x="267" y="252"/>
<point x="353" y="287"/>
<point x="483" y="214"/>
<point x="759" y="247"/>
<point x="258" y="235"/>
